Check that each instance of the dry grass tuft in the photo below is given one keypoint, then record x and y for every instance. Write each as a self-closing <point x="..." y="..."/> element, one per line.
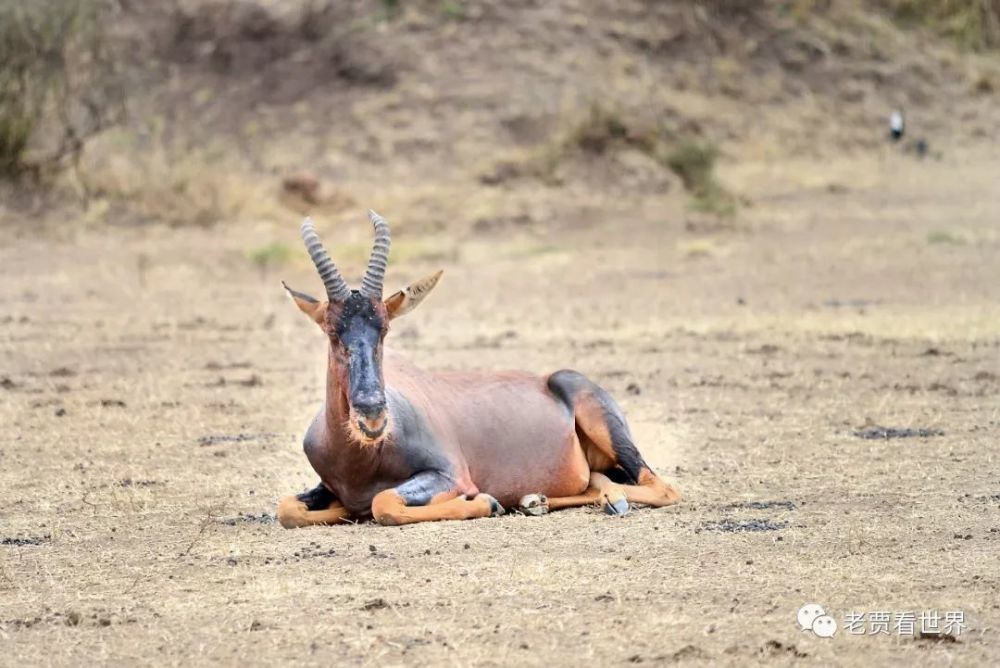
<point x="155" y="181"/>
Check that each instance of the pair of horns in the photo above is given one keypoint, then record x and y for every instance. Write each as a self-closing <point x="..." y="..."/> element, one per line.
<point x="336" y="287"/>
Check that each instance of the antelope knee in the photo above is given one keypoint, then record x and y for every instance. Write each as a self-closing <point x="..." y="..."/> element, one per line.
<point x="386" y="506"/>
<point x="292" y="512"/>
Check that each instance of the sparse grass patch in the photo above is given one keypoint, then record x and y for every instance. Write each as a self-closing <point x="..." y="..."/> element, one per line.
<point x="716" y="201"/>
<point x="694" y="163"/>
<point x="973" y="24"/>
<point x="698" y="248"/>
<point x="178" y="185"/>
<point x="16" y="127"/>
<point x="603" y="130"/>
<point x="600" y="130"/>
<point x="453" y="10"/>
<point x="945" y="237"/>
<point x="526" y="248"/>
<point x="270" y="255"/>
<point x="800" y="10"/>
<point x="389" y="10"/>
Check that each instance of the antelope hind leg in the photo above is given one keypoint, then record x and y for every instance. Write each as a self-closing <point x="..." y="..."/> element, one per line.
<point x="651" y="490"/>
<point x="610" y="496"/>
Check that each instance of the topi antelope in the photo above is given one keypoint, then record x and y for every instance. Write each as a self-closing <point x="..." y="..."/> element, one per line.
<point x="403" y="445"/>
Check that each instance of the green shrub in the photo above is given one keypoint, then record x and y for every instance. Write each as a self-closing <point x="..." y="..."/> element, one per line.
<point x="694" y="163"/>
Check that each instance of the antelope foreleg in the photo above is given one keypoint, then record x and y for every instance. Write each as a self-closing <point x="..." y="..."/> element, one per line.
<point x="317" y="506"/>
<point x="430" y="497"/>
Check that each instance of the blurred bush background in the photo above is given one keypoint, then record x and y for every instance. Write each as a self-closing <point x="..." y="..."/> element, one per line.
<point x="206" y="111"/>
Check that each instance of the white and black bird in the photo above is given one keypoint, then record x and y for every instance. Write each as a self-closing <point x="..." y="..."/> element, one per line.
<point x="897" y="125"/>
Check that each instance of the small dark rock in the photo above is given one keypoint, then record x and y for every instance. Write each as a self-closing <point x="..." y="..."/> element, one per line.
<point x="375" y="604"/>
<point x="252" y="381"/>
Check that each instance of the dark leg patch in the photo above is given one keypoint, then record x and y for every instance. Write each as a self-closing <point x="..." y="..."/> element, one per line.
<point x="630" y="461"/>
<point x="577" y="391"/>
<point x="619" y="476"/>
<point x="318" y="498"/>
<point x="421" y="488"/>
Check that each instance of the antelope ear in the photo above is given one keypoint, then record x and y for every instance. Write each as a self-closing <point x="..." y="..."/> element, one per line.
<point x="410" y="297"/>
<point x="312" y="307"/>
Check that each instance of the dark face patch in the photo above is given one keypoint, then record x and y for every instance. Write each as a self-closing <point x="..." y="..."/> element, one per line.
<point x="357" y="329"/>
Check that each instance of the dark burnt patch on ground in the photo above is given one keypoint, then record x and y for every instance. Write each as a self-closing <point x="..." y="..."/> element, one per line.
<point x="877" y="433"/>
<point x="729" y="525"/>
<point x="243" y="437"/>
<point x="25" y="541"/>
<point x="763" y="505"/>
<point x="249" y="518"/>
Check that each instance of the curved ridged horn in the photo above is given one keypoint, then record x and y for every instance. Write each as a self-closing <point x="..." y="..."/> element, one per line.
<point x="371" y="284"/>
<point x="336" y="287"/>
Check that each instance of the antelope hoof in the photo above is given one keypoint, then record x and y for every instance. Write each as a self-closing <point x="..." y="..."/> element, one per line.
<point x="534" y="504"/>
<point x="496" y="510"/>
<point x="619" y="506"/>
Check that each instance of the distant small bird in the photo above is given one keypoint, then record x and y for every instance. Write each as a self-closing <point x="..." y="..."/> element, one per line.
<point x="897" y="125"/>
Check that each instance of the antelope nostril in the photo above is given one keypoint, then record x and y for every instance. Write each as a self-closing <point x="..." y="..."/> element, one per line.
<point x="370" y="410"/>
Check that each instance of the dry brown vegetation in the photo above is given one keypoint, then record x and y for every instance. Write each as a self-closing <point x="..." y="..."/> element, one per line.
<point x="59" y="83"/>
<point x="554" y="159"/>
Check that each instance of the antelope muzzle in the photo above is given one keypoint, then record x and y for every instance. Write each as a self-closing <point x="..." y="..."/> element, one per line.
<point x="370" y="417"/>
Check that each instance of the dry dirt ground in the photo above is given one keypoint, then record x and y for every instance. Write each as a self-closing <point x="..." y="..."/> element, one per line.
<point x="156" y="385"/>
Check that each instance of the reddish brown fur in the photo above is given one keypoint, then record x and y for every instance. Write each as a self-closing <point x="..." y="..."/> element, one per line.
<point x="504" y="433"/>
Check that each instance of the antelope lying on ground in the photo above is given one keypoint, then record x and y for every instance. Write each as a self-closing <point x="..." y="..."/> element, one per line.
<point x="403" y="445"/>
